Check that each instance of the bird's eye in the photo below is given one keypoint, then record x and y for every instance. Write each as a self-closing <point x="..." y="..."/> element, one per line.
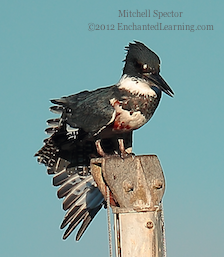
<point x="145" y="66"/>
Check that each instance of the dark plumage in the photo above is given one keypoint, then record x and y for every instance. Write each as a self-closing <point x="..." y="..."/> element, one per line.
<point x="98" y="123"/>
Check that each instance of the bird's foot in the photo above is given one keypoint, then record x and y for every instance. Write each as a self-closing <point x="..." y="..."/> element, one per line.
<point x="126" y="154"/>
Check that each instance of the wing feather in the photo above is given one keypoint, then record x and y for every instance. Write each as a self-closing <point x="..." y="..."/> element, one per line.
<point x="89" y="110"/>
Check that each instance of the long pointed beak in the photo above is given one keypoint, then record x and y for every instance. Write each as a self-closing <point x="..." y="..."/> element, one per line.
<point x="161" y="83"/>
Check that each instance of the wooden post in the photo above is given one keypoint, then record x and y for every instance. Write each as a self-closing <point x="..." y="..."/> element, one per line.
<point x="137" y="186"/>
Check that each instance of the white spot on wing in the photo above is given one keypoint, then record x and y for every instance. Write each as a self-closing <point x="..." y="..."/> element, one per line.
<point x="72" y="132"/>
<point x="136" y="86"/>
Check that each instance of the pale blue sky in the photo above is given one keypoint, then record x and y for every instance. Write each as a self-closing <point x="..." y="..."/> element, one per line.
<point x="47" y="51"/>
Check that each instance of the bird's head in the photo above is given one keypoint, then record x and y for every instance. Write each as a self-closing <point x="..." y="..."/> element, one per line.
<point x="141" y="62"/>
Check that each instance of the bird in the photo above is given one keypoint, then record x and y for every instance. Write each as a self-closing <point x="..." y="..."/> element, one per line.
<point x="99" y="123"/>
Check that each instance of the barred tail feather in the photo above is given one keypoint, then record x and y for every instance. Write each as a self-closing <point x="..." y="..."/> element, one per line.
<point x="67" y="158"/>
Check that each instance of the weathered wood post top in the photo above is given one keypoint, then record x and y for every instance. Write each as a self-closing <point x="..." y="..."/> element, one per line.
<point x="136" y="186"/>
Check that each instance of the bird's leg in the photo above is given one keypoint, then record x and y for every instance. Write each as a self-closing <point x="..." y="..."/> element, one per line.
<point x="121" y="147"/>
<point x="99" y="148"/>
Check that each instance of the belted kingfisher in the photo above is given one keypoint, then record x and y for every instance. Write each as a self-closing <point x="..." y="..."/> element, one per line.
<point x="99" y="123"/>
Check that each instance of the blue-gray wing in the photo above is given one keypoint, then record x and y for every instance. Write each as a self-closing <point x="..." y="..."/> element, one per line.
<point x="89" y="110"/>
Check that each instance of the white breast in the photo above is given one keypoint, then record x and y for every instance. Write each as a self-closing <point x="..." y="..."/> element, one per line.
<point x="125" y="120"/>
